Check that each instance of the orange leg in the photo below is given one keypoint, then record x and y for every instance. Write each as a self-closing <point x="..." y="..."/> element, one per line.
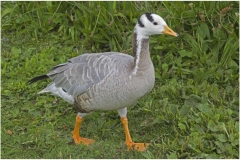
<point x="75" y="133"/>
<point x="130" y="144"/>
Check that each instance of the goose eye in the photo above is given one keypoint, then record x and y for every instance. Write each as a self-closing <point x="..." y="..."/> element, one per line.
<point x="155" y="23"/>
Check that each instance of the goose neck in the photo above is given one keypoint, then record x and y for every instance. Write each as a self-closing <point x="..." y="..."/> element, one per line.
<point x="141" y="52"/>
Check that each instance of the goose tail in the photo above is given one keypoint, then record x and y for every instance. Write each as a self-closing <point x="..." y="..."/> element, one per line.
<point x="35" y="79"/>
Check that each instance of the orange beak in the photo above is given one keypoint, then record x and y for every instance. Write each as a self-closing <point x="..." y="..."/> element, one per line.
<point x="169" y="31"/>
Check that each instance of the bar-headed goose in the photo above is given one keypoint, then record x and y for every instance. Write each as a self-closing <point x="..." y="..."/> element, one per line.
<point x="110" y="80"/>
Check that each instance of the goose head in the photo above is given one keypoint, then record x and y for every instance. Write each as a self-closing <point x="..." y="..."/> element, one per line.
<point x="152" y="24"/>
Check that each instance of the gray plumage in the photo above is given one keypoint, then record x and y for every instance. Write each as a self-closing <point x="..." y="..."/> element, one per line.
<point x="85" y="70"/>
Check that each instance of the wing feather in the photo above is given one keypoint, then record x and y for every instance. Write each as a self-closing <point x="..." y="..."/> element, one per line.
<point x="79" y="73"/>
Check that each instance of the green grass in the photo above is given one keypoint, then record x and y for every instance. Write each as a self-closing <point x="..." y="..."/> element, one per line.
<point x="192" y="112"/>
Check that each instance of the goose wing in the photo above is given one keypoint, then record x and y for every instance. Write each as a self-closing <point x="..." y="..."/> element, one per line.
<point x="79" y="73"/>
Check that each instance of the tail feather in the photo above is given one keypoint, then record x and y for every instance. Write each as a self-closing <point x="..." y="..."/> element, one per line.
<point x="37" y="79"/>
<point x="49" y="88"/>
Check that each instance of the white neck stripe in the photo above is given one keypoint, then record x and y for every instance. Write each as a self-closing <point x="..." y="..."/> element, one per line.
<point x="139" y="40"/>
